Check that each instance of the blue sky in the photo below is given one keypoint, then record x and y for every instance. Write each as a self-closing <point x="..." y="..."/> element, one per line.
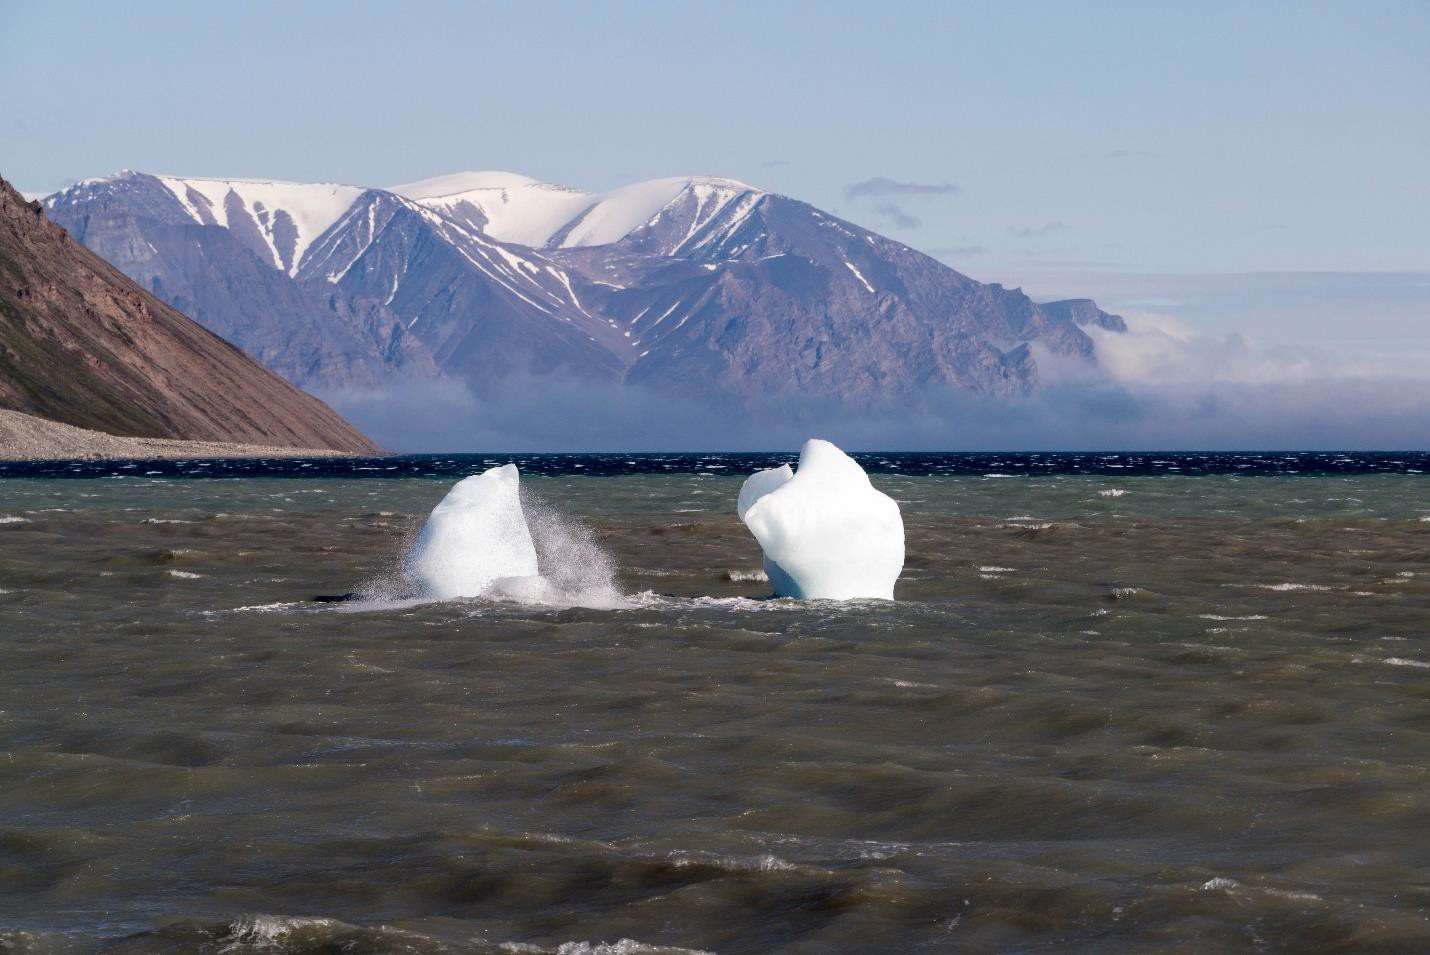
<point x="1207" y="137"/>
<point x="1145" y="154"/>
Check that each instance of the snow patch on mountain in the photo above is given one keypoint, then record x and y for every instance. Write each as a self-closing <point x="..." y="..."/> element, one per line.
<point x="620" y="212"/>
<point x="513" y="208"/>
<point x="287" y="216"/>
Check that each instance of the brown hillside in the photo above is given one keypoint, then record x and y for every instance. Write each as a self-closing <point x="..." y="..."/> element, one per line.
<point x="82" y="344"/>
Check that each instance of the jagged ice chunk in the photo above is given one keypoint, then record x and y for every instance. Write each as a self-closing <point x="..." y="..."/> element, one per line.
<point x="475" y="535"/>
<point x="825" y="531"/>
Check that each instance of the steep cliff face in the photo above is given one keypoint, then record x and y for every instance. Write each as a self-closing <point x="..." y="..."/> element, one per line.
<point x="82" y="344"/>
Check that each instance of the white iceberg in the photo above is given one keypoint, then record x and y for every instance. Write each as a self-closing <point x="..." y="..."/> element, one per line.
<point x="474" y="537"/>
<point x="825" y="531"/>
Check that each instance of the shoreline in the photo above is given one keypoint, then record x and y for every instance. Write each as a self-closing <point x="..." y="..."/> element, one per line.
<point x="29" y="439"/>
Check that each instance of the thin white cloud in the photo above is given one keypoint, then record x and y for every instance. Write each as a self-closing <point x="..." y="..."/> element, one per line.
<point x="880" y="186"/>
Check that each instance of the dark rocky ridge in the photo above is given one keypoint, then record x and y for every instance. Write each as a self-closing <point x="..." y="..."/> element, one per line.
<point x="82" y="344"/>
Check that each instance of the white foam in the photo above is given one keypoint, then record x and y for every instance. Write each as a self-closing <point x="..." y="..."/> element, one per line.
<point x="12" y="519"/>
<point x="267" y="608"/>
<point x="747" y="575"/>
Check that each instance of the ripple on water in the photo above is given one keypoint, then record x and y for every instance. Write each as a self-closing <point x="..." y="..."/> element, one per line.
<point x="968" y="768"/>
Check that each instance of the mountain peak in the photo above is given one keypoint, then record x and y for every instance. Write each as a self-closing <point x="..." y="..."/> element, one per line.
<point x="514" y="208"/>
<point x="459" y="182"/>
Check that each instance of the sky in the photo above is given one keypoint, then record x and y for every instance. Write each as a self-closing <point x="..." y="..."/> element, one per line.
<point x="1235" y="178"/>
<point x="1005" y="138"/>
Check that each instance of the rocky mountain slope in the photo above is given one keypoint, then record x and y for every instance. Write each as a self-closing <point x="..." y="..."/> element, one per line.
<point x="695" y="286"/>
<point x="82" y="344"/>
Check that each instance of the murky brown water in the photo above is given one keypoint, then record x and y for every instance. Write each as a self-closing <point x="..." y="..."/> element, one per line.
<point x="1193" y="717"/>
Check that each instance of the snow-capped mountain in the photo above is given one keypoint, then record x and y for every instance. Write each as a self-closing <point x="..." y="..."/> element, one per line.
<point x="277" y="220"/>
<point x="691" y="285"/>
<point x="514" y="208"/>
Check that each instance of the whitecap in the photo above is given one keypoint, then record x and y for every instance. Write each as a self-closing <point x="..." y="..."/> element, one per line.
<point x="1403" y="662"/>
<point x="747" y="575"/>
<point x="183" y="574"/>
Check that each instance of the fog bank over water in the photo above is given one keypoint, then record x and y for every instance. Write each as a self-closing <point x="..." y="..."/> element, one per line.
<point x="1301" y="410"/>
<point x="1271" y="361"/>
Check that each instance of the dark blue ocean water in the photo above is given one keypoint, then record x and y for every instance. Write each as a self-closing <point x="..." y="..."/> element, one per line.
<point x="920" y="463"/>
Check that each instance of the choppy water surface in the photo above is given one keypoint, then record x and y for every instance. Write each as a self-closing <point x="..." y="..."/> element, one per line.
<point x="1193" y="715"/>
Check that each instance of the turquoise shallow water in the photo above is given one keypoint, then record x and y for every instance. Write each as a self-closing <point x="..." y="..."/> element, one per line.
<point x="1193" y="715"/>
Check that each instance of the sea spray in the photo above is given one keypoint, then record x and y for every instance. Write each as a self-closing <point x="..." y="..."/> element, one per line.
<point x="570" y="558"/>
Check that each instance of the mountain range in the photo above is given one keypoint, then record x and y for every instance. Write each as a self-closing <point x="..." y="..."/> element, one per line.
<point x="697" y="286"/>
<point x="82" y="345"/>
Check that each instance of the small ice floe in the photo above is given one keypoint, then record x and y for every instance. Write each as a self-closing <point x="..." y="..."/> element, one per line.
<point x="1123" y="593"/>
<point x="183" y="574"/>
<point x="1403" y="662"/>
<point x="824" y="530"/>
<point x="1111" y="492"/>
<point x="1219" y="884"/>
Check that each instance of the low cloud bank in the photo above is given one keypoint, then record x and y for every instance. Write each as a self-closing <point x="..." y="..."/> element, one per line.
<point x="1156" y="393"/>
<point x="1157" y="349"/>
